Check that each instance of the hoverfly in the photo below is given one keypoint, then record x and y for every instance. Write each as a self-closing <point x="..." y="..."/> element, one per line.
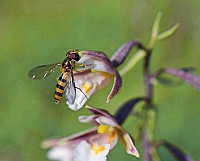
<point x="65" y="81"/>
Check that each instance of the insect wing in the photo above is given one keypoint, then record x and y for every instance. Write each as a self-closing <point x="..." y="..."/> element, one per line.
<point x="42" y="71"/>
<point x="70" y="91"/>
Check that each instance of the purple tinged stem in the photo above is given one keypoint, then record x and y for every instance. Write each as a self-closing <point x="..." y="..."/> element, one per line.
<point x="145" y="147"/>
<point x="147" y="76"/>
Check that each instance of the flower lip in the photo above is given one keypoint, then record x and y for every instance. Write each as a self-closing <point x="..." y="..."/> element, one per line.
<point x="86" y="152"/>
<point x="104" y="118"/>
<point x="96" y="111"/>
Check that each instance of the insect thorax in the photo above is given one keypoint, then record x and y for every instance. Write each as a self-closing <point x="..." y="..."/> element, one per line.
<point x="67" y="65"/>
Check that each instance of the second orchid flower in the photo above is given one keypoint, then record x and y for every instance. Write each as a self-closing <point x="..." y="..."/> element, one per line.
<point x="93" y="144"/>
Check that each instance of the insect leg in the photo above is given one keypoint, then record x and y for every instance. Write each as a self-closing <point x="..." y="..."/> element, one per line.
<point x="82" y="92"/>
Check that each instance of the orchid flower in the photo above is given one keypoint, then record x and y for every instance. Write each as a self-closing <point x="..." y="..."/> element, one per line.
<point x="96" y="73"/>
<point x="93" y="144"/>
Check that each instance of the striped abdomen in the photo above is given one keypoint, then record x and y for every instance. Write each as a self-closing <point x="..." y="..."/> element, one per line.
<point x="60" y="87"/>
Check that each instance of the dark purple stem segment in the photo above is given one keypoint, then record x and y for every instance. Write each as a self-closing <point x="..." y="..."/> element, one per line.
<point x="147" y="76"/>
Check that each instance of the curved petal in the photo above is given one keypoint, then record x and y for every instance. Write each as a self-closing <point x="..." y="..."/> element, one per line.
<point x="108" y="121"/>
<point x="89" y="119"/>
<point x="96" y="60"/>
<point x="128" y="143"/>
<point x="49" y="143"/>
<point x="73" y="140"/>
<point x="96" y="111"/>
<point x="116" y="86"/>
<point x="121" y="54"/>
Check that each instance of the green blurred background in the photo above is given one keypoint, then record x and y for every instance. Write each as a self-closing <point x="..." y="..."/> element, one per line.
<point x="39" y="32"/>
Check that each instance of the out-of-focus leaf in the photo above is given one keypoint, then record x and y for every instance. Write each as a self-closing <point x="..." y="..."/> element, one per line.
<point x="133" y="61"/>
<point x="190" y="78"/>
<point x="125" y="109"/>
<point x="178" y="153"/>
<point x="123" y="51"/>
<point x="167" y="80"/>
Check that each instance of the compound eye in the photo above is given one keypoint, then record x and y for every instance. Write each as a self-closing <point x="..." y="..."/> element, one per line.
<point x="75" y="56"/>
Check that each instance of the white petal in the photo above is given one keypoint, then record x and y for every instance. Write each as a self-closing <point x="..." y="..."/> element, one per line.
<point x="102" y="79"/>
<point x="96" y="64"/>
<point x="81" y="97"/>
<point x="81" y="151"/>
<point x="60" y="153"/>
<point x="85" y="152"/>
<point x="88" y="119"/>
<point x="101" y="156"/>
<point x="109" y="121"/>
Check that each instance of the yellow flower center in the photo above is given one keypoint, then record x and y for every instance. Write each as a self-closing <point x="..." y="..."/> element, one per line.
<point x="87" y="86"/>
<point x="102" y="129"/>
<point x="97" y="149"/>
<point x="111" y="131"/>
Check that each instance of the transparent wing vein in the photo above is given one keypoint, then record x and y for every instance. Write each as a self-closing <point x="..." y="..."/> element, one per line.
<point x="42" y="71"/>
<point x="70" y="91"/>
